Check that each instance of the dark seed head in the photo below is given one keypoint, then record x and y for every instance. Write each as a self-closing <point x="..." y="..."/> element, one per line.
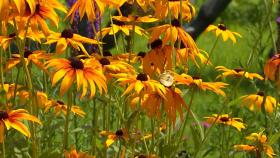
<point x="12" y="35"/>
<point x="175" y="23"/>
<point x="104" y="61"/>
<point x="196" y="77"/>
<point x="142" y="77"/>
<point x="76" y="63"/>
<point x="107" y="53"/>
<point x="3" y="115"/>
<point x="260" y="93"/>
<point x="119" y="23"/>
<point x="142" y="156"/>
<point x="27" y="53"/>
<point x="224" y="119"/>
<point x="67" y="33"/>
<point x="37" y="9"/>
<point x="119" y="133"/>
<point x="60" y="102"/>
<point x="276" y="56"/>
<point x="238" y="70"/>
<point x="156" y="44"/>
<point x="222" y="27"/>
<point x="141" y="54"/>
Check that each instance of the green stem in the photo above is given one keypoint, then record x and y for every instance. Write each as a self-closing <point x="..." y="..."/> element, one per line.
<point x="186" y="119"/>
<point x="115" y="38"/>
<point x="66" y="125"/>
<point x="210" y="55"/>
<point x="94" y="127"/>
<point x="3" y="149"/>
<point x="1" y="68"/>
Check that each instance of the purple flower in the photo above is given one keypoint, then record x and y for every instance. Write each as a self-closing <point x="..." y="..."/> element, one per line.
<point x="278" y="19"/>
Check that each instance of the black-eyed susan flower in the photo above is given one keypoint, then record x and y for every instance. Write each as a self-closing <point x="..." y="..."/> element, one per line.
<point x="45" y="9"/>
<point x="221" y="30"/>
<point x="259" y="144"/>
<point x="271" y="68"/>
<point x="87" y="7"/>
<point x="111" y="66"/>
<point x="120" y="134"/>
<point x="256" y="101"/>
<point x="162" y="7"/>
<point x="75" y="154"/>
<point x="215" y="87"/>
<point x="158" y="59"/>
<point x="137" y="19"/>
<point x="118" y="26"/>
<point x="6" y="40"/>
<point x="24" y="6"/>
<point x="172" y="103"/>
<point x="41" y="98"/>
<point x="184" y="55"/>
<point x="238" y="72"/>
<point x="173" y="33"/>
<point x="140" y="83"/>
<point x="12" y="119"/>
<point x="226" y="120"/>
<point x="68" y="37"/>
<point x="36" y="57"/>
<point x="59" y="106"/>
<point x="86" y="73"/>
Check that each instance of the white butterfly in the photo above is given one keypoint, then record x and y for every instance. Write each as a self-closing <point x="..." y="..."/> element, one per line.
<point x="166" y="78"/>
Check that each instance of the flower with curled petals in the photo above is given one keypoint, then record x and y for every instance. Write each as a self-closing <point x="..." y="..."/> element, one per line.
<point x="12" y="119"/>
<point x="86" y="73"/>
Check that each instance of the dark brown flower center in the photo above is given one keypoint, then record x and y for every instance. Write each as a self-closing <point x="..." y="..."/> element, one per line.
<point x="224" y="119"/>
<point x="76" y="63"/>
<point x="156" y="44"/>
<point x="119" y="133"/>
<point x="104" y="61"/>
<point x="196" y="77"/>
<point x="141" y="54"/>
<point x="60" y="102"/>
<point x="119" y="23"/>
<point x="222" y="27"/>
<point x="276" y="56"/>
<point x="67" y="33"/>
<point x="142" y="77"/>
<point x="37" y="9"/>
<point x="107" y="53"/>
<point x="238" y="70"/>
<point x="12" y="35"/>
<point x="27" y="53"/>
<point x="260" y="93"/>
<point x="175" y="23"/>
<point x="3" y="115"/>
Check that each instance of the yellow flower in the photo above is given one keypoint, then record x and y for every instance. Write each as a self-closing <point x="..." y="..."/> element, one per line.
<point x="36" y="57"/>
<point x="172" y="103"/>
<point x="121" y="134"/>
<point x="87" y="74"/>
<point x="121" y="26"/>
<point x="173" y="33"/>
<point x="141" y="84"/>
<point x="6" y="40"/>
<point x="256" y="100"/>
<point x="162" y="7"/>
<point x="260" y="145"/>
<point x="74" y="154"/>
<point x="12" y="119"/>
<point x="137" y="19"/>
<point x="226" y="120"/>
<point x="196" y="81"/>
<point x="158" y="59"/>
<point x="87" y="7"/>
<point x="41" y="98"/>
<point x="237" y="72"/>
<point x="9" y="88"/>
<point x="68" y="37"/>
<point x="59" y="106"/>
<point x="271" y="68"/>
<point x="224" y="32"/>
<point x="45" y="9"/>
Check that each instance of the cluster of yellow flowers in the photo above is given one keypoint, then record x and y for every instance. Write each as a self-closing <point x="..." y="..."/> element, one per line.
<point x="151" y="81"/>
